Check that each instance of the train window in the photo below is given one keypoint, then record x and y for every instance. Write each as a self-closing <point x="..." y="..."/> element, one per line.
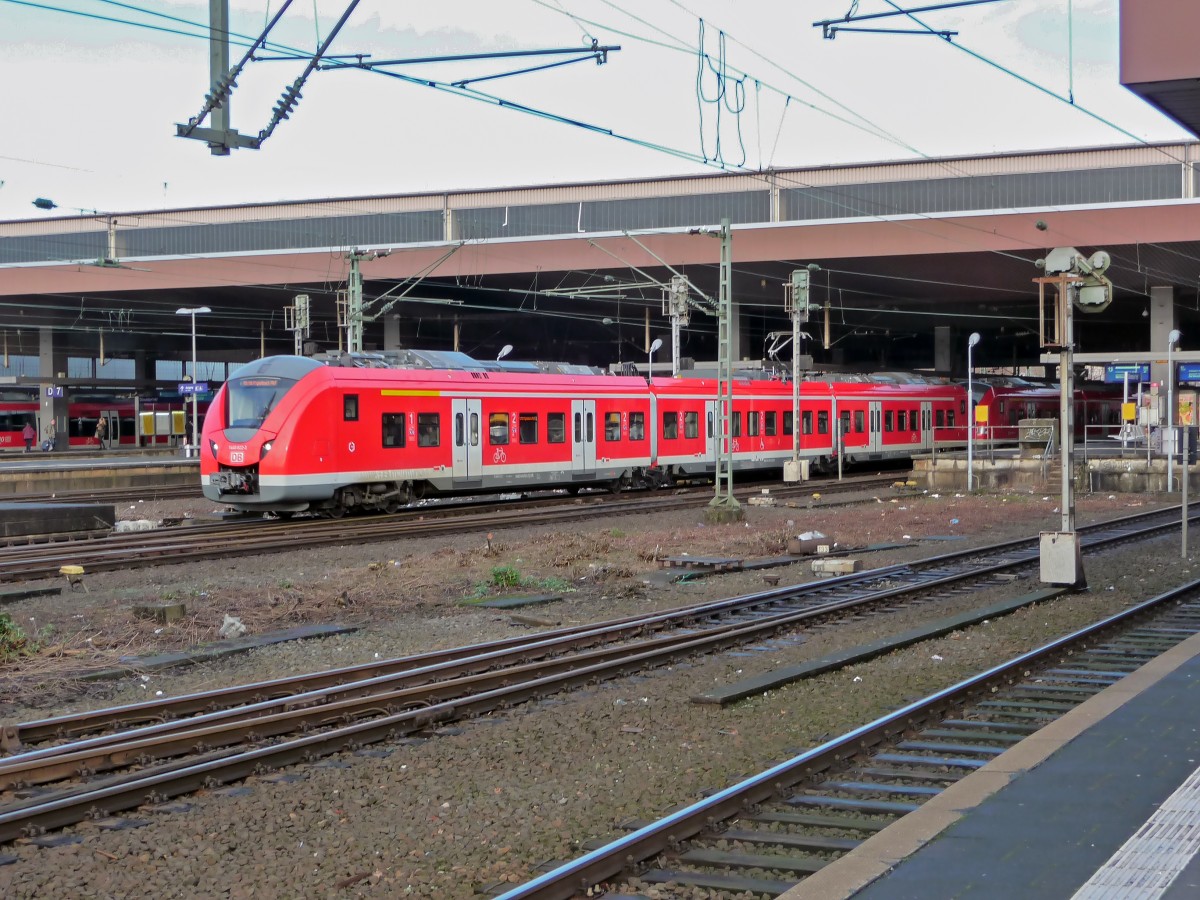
<point x="691" y="424"/>
<point x="962" y="407"/>
<point x="393" y="430"/>
<point x="556" y="428"/>
<point x="429" y="430"/>
<point x="637" y="426"/>
<point x="350" y="408"/>
<point x="474" y="429"/>
<point x="670" y="429"/>
<point x="1000" y="407"/>
<point x="950" y="417"/>
<point x="787" y="423"/>
<point x="769" y="424"/>
<point x="710" y="424"/>
<point x="844" y="422"/>
<point x="578" y="428"/>
<point x="902" y="421"/>
<point x="887" y="420"/>
<point x="527" y="428"/>
<point x="752" y="424"/>
<point x="459" y="430"/>
<point x="612" y="426"/>
<point x="128" y="427"/>
<point x="822" y="421"/>
<point x="859" y="421"/>
<point x="498" y="428"/>
<point x="735" y="424"/>
<point x="913" y="420"/>
<point x="941" y="418"/>
<point x="590" y="423"/>
<point x="806" y="422"/>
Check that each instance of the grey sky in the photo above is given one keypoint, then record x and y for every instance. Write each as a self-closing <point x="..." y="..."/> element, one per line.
<point x="89" y="107"/>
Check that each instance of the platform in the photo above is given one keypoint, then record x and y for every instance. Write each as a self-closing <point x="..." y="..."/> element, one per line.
<point x="1048" y="817"/>
<point x="44" y="473"/>
<point x="21" y="520"/>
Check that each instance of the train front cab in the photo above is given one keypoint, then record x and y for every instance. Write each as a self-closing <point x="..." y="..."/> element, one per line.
<point x="236" y="438"/>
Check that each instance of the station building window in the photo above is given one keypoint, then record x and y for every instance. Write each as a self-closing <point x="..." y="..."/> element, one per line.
<point x="393" y="431"/>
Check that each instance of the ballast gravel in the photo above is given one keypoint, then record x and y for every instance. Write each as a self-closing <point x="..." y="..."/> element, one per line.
<point x="485" y="802"/>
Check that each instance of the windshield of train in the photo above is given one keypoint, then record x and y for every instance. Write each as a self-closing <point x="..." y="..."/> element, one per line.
<point x="249" y="400"/>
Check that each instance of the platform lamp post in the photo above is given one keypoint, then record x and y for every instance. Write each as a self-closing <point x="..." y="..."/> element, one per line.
<point x="194" y="311"/>
<point x="971" y="342"/>
<point x="650" y="359"/>
<point x="1172" y="340"/>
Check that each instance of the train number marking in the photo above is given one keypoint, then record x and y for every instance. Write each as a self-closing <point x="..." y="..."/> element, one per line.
<point x="237" y="456"/>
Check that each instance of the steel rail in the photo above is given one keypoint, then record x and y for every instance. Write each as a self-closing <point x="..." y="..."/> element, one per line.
<point x="610" y="860"/>
<point x="132" y="549"/>
<point x="497" y="691"/>
<point x="261" y="695"/>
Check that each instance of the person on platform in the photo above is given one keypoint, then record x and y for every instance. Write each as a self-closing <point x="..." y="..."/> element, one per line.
<point x="101" y="431"/>
<point x="51" y="437"/>
<point x="29" y="433"/>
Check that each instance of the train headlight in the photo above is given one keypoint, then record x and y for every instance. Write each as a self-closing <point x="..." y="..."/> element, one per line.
<point x="266" y="448"/>
<point x="212" y="445"/>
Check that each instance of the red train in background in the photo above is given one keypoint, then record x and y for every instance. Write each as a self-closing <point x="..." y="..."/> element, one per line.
<point x="129" y="422"/>
<point x="289" y="434"/>
<point x="1008" y="400"/>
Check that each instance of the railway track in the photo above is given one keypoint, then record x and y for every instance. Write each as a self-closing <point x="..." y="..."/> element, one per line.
<point x="763" y="835"/>
<point x="111" y="494"/>
<point x="292" y="720"/>
<point x="195" y="542"/>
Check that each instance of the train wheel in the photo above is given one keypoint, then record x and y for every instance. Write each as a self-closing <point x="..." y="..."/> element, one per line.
<point x="337" y="511"/>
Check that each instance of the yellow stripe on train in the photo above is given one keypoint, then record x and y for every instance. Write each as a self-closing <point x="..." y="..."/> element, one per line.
<point x="396" y="393"/>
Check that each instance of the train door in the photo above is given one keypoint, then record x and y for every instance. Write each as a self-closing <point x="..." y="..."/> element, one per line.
<point x="711" y="440"/>
<point x="468" y="447"/>
<point x="926" y="424"/>
<point x="111" y="436"/>
<point x="875" y="426"/>
<point x="583" y="435"/>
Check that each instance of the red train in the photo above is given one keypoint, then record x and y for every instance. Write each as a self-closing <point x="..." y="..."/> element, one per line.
<point x="1008" y="400"/>
<point x="289" y="434"/>
<point x="129" y="422"/>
